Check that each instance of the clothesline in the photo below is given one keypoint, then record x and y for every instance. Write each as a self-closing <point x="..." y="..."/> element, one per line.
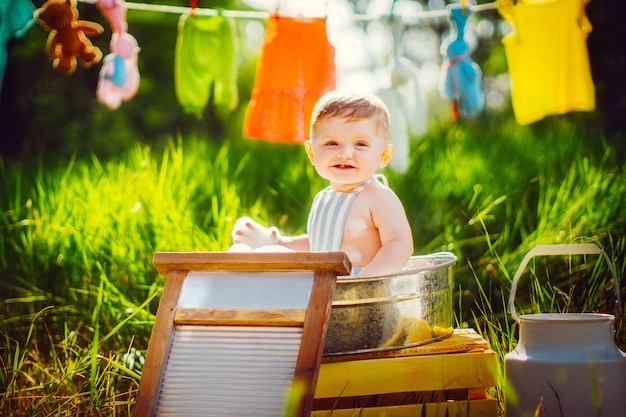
<point x="243" y="14"/>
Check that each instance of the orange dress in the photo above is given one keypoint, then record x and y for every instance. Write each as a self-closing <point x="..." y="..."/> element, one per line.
<point x="296" y="67"/>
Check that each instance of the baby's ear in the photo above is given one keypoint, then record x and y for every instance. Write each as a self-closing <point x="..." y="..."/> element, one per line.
<point x="386" y="156"/>
<point x="308" y="147"/>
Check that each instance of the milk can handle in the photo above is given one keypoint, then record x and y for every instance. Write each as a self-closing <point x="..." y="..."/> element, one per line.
<point x="563" y="249"/>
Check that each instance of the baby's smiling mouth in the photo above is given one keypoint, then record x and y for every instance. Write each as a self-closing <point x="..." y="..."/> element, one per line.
<point x="343" y="166"/>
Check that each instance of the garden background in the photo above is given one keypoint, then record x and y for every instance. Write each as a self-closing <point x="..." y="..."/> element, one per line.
<point x="87" y="195"/>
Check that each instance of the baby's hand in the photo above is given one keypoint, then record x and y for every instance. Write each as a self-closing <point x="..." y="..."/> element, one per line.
<point x="248" y="232"/>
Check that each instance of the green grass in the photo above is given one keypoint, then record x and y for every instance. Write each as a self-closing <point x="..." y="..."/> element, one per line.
<point x="79" y="291"/>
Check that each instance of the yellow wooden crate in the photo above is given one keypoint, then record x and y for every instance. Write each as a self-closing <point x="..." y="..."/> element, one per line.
<point x="474" y="408"/>
<point x="446" y="378"/>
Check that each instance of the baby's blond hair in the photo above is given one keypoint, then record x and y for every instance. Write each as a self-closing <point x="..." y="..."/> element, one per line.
<point x="352" y="105"/>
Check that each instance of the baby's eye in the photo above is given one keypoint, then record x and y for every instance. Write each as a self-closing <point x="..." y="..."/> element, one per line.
<point x="331" y="143"/>
<point x="361" y="143"/>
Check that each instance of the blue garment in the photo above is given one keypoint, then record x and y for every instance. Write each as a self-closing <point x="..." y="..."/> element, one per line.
<point x="16" y="17"/>
<point x="461" y="80"/>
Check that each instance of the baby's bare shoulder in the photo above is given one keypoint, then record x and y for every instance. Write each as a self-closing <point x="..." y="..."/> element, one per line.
<point x="379" y="201"/>
<point x="380" y="194"/>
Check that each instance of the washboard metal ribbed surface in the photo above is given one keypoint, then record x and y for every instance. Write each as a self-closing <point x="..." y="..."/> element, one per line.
<point x="234" y="370"/>
<point x="235" y="331"/>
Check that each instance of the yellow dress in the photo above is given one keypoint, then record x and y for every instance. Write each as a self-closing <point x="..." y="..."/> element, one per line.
<point x="547" y="57"/>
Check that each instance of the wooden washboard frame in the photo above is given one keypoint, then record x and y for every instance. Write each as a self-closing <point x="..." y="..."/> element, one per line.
<point x="275" y="338"/>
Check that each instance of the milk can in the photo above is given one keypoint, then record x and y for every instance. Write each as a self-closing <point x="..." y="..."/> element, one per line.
<point x="565" y="365"/>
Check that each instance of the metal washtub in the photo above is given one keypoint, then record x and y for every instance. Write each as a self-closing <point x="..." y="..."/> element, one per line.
<point x="388" y="312"/>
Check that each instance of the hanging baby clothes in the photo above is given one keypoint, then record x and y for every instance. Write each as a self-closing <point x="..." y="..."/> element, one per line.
<point x="547" y="58"/>
<point x="296" y="67"/>
<point x="404" y="101"/>
<point x="16" y="17"/>
<point x="115" y="12"/>
<point x="205" y="57"/>
<point x="118" y="80"/>
<point x="461" y="78"/>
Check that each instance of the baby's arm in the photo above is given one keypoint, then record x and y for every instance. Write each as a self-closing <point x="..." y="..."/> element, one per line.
<point x="297" y="243"/>
<point x="395" y="235"/>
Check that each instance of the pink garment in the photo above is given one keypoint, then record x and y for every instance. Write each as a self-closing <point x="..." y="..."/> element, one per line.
<point x="119" y="76"/>
<point x="115" y="13"/>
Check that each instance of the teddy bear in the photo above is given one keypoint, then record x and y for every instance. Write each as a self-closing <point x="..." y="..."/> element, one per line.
<point x="119" y="76"/>
<point x="68" y="41"/>
<point x="251" y="236"/>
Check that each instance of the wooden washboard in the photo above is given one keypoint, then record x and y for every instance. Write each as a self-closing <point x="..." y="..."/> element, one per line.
<point x="234" y="331"/>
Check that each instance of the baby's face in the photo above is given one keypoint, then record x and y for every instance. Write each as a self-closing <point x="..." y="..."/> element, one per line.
<point x="347" y="153"/>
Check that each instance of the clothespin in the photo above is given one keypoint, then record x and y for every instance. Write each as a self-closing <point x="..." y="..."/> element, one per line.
<point x="464" y="7"/>
<point x="193" y="4"/>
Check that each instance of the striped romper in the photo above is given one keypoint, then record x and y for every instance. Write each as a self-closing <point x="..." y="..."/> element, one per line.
<point x="328" y="217"/>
